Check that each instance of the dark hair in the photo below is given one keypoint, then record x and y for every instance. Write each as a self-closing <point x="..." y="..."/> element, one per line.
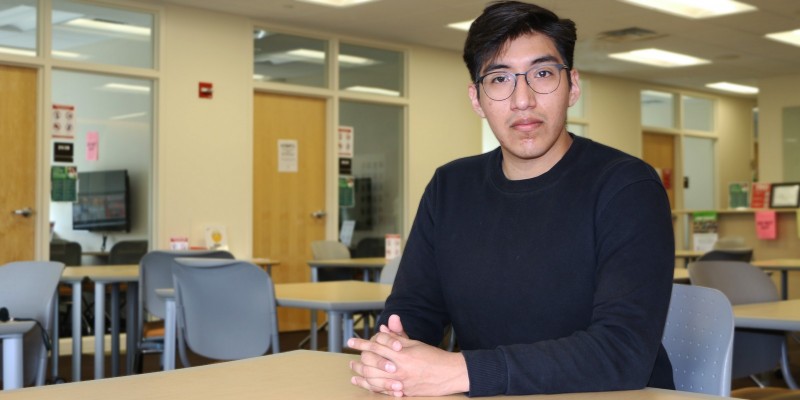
<point x="503" y="21"/>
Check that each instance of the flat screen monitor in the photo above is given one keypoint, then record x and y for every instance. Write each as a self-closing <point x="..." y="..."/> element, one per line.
<point x="103" y="202"/>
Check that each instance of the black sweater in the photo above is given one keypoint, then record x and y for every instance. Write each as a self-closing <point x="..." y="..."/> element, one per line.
<point x="558" y="283"/>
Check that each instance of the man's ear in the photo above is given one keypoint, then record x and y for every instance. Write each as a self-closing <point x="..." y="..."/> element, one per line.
<point x="575" y="90"/>
<point x="476" y="102"/>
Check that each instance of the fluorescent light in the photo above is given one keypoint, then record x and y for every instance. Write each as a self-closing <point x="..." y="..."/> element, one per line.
<point x="110" y="26"/>
<point x="337" y="3"/>
<point x="695" y="8"/>
<point x="659" y="58"/>
<point x="733" y="87"/>
<point x="17" y="52"/>
<point x="129" y="116"/>
<point x="374" y="90"/>
<point x="462" y="26"/>
<point x="67" y="54"/>
<point x="126" y="88"/>
<point x="790" y="37"/>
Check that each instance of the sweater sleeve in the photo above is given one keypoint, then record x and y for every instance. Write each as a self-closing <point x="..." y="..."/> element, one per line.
<point x="635" y="259"/>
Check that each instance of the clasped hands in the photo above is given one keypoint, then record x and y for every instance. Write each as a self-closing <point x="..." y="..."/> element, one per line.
<point x="395" y="365"/>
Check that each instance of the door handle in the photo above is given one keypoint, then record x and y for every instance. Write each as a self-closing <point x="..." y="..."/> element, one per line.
<point x="25" y="212"/>
<point x="319" y="214"/>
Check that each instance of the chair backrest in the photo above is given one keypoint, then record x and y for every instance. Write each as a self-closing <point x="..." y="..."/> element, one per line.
<point x="742" y="254"/>
<point x="389" y="271"/>
<point x="156" y="273"/>
<point x="698" y="337"/>
<point x="754" y="351"/>
<point x="26" y="289"/>
<point x="370" y="247"/>
<point x="225" y="308"/>
<point x="127" y="252"/>
<point x="68" y="253"/>
<point x="329" y="249"/>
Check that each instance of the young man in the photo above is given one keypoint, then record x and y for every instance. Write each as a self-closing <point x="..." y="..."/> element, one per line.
<point x="551" y="256"/>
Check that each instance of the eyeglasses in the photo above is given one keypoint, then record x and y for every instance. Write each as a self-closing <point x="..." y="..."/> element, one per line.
<point x="542" y="79"/>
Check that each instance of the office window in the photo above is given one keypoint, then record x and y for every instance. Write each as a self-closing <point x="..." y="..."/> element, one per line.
<point x="658" y="109"/>
<point x="376" y="203"/>
<point x="112" y="130"/>
<point x="18" y="27"/>
<point x="102" y="35"/>
<point x="289" y="59"/>
<point x="698" y="113"/>
<point x="368" y="70"/>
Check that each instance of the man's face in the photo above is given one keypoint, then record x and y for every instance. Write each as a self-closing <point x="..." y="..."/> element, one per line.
<point x="530" y="127"/>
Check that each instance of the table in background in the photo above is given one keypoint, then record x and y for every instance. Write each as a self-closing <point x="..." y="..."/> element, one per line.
<point x="784" y="265"/>
<point x="781" y="315"/>
<point x="11" y="333"/>
<point x="688" y="255"/>
<point x="681" y="275"/>
<point x="100" y="275"/>
<point x="338" y="298"/>
<point x="366" y="264"/>
<point x="265" y="263"/>
<point x="297" y="375"/>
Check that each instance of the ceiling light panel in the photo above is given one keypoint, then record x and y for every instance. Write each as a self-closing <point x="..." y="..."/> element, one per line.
<point x="694" y="8"/>
<point x="789" y="37"/>
<point x="733" y="87"/>
<point x="337" y="3"/>
<point x="659" y="58"/>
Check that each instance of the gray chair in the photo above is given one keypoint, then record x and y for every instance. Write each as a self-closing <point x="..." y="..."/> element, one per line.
<point x="127" y="252"/>
<point x="740" y="254"/>
<point x="755" y="351"/>
<point x="331" y="250"/>
<point x="68" y="253"/>
<point x="698" y="337"/>
<point x="156" y="273"/>
<point x="26" y="290"/>
<point x="225" y="309"/>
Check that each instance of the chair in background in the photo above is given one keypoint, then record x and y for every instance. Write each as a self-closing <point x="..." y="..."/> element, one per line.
<point x="69" y="254"/>
<point x="331" y="250"/>
<point x="698" y="337"/>
<point x="370" y="247"/>
<point x="745" y="255"/>
<point x="127" y="252"/>
<point x="65" y="252"/>
<point x="156" y="273"/>
<point x="225" y="309"/>
<point x="755" y="351"/>
<point x="26" y="290"/>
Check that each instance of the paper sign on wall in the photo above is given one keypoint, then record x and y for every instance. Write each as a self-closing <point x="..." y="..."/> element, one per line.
<point x="216" y="238"/>
<point x="759" y="195"/>
<point x="766" y="225"/>
<point x="92" y="146"/>
<point x="704" y="230"/>
<point x="63" y="121"/>
<point x="346" y="142"/>
<point x="287" y="155"/>
<point x="392" y="246"/>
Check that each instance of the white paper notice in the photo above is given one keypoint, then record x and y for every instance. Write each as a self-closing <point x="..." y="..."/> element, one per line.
<point x="346" y="141"/>
<point x="287" y="155"/>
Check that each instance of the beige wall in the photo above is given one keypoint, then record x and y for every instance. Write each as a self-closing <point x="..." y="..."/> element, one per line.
<point x="774" y="95"/>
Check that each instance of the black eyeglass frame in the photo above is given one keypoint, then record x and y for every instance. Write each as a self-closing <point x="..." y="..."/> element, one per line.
<point x="560" y="67"/>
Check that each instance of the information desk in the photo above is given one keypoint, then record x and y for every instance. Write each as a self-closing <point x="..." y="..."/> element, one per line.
<point x="11" y="333"/>
<point x="296" y="375"/>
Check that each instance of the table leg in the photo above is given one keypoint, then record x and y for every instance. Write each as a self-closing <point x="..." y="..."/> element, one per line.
<point x="132" y="338"/>
<point x="169" y="335"/>
<point x="12" y="362"/>
<point x="55" y="337"/>
<point x="785" y="284"/>
<point x="114" y="329"/>
<point x="314" y="345"/>
<point x="77" y="344"/>
<point x="99" y="329"/>
<point x="334" y="331"/>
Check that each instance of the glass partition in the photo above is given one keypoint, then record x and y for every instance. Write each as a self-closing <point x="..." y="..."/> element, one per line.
<point x="103" y="35"/>
<point x="658" y="109"/>
<point x="289" y="59"/>
<point x="18" y="27"/>
<point x="369" y="70"/>
<point x="698" y="113"/>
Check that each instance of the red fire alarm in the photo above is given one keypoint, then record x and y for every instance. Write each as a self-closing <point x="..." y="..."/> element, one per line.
<point x="206" y="90"/>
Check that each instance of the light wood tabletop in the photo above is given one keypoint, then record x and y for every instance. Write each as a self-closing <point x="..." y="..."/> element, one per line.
<point x="781" y="315"/>
<point x="296" y="375"/>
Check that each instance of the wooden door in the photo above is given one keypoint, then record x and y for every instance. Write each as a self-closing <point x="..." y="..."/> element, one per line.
<point x="284" y="200"/>
<point x="658" y="150"/>
<point x="18" y="88"/>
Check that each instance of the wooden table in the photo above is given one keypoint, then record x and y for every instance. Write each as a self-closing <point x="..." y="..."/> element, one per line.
<point x="338" y="298"/>
<point x="784" y="265"/>
<point x="781" y="315"/>
<point x="681" y="275"/>
<point x="11" y="333"/>
<point x="688" y="255"/>
<point x="265" y="263"/>
<point x="296" y="375"/>
<point x="367" y="264"/>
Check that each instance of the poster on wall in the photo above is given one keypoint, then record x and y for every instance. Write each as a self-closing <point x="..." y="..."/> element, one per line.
<point x="92" y="146"/>
<point x="704" y="230"/>
<point x="63" y="121"/>
<point x="759" y="194"/>
<point x="345" y="141"/>
<point x="63" y="183"/>
<point x="287" y="155"/>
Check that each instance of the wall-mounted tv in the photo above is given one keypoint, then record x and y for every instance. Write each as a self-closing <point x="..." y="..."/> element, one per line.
<point x="103" y="202"/>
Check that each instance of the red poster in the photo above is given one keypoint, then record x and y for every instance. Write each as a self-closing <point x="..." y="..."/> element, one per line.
<point x="759" y="195"/>
<point x="766" y="228"/>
